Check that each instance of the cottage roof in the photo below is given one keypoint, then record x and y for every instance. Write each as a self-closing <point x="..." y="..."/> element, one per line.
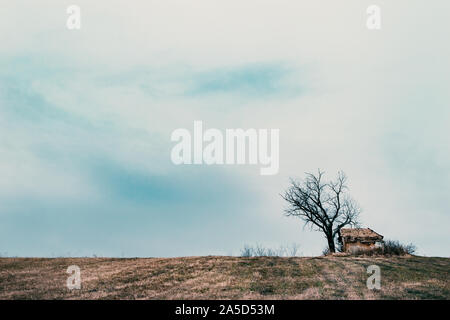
<point x="360" y="233"/>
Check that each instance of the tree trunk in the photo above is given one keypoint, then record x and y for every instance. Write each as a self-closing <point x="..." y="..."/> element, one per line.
<point x="331" y="246"/>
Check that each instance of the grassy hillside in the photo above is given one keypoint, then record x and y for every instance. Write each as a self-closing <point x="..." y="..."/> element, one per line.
<point x="226" y="278"/>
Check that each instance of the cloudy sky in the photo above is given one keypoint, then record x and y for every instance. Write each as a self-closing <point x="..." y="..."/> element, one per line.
<point x="86" y="117"/>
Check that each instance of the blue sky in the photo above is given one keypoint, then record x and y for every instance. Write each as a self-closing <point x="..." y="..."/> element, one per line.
<point x="86" y="118"/>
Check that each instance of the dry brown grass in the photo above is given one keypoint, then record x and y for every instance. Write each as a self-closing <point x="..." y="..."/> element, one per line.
<point x="332" y="277"/>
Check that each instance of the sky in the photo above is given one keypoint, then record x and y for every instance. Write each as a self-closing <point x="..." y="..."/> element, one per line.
<point x="86" y="118"/>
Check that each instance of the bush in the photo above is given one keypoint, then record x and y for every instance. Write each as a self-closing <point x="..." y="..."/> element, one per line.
<point x="247" y="251"/>
<point x="390" y="248"/>
<point x="260" y="251"/>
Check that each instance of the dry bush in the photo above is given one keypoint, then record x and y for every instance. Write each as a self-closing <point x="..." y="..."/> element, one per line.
<point x="260" y="251"/>
<point x="390" y="248"/>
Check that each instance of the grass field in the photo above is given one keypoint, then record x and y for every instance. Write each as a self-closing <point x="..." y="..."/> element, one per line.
<point x="214" y="277"/>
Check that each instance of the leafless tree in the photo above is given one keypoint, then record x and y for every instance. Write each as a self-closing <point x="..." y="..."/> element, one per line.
<point x="324" y="206"/>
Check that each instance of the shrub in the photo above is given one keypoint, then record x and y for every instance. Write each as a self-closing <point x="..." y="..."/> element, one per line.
<point x="393" y="247"/>
<point x="260" y="251"/>
<point x="390" y="248"/>
<point x="247" y="251"/>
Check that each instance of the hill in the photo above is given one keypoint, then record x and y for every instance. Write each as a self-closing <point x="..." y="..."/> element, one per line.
<point x="220" y="277"/>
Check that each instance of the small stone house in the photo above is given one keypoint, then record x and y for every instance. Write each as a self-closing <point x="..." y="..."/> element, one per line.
<point x="360" y="239"/>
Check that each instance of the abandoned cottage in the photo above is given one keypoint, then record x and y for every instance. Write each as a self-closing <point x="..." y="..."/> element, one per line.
<point x="360" y="239"/>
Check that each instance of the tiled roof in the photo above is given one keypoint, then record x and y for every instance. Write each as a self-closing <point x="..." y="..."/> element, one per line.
<point x="363" y="233"/>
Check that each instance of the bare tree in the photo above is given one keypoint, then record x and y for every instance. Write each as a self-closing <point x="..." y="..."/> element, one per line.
<point x="324" y="206"/>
